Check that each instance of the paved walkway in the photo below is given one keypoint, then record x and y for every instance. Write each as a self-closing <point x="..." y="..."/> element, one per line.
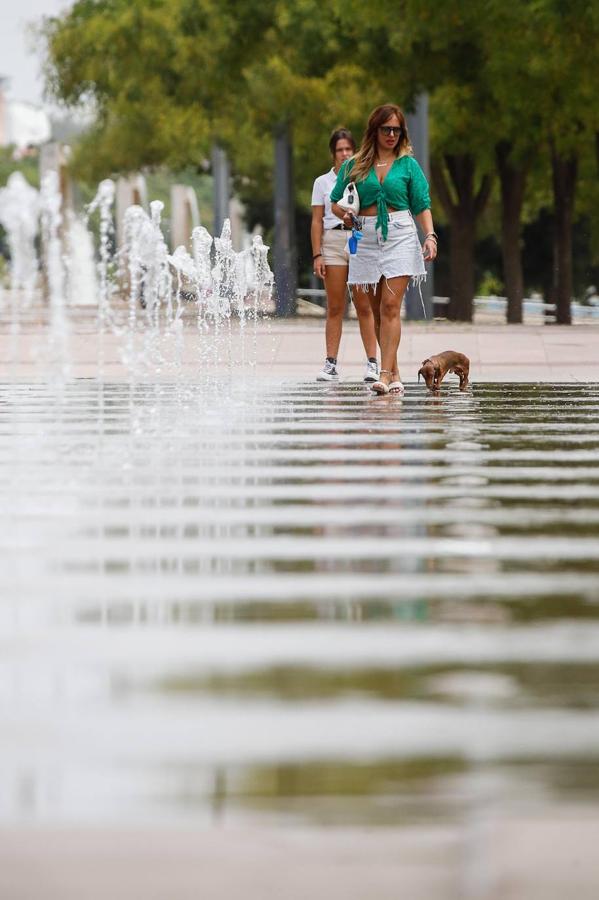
<point x="487" y="856"/>
<point x="498" y="858"/>
<point x="295" y="349"/>
<point x="497" y="352"/>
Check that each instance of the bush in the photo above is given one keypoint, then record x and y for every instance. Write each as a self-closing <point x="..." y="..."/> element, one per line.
<point x="490" y="286"/>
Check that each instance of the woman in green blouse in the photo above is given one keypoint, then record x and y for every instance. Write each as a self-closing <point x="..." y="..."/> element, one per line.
<point x="393" y="191"/>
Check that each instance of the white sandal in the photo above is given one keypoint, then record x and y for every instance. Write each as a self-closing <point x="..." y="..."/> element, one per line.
<point x="396" y="387"/>
<point x="379" y="387"/>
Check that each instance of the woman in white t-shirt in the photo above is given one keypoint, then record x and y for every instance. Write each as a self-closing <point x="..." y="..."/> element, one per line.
<point x="331" y="261"/>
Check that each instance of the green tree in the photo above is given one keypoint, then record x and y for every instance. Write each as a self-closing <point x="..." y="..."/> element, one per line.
<point x="547" y="110"/>
<point x="508" y="87"/>
<point x="571" y="119"/>
<point x="511" y="88"/>
<point x="163" y="78"/>
<point x="462" y="185"/>
<point x="168" y="79"/>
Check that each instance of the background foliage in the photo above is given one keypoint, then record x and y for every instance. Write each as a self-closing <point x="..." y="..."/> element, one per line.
<point x="166" y="78"/>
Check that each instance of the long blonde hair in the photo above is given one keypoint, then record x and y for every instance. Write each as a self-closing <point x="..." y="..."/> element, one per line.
<point x="363" y="161"/>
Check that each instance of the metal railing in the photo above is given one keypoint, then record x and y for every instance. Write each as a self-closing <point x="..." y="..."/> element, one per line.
<point x="531" y="306"/>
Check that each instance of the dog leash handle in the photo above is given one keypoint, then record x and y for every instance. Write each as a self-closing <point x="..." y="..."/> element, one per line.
<point x="356" y="236"/>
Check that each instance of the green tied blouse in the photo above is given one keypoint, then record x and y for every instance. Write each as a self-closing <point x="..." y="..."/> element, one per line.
<point x="405" y="187"/>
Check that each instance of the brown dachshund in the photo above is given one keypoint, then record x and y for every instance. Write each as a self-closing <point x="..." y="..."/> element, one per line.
<point x="434" y="369"/>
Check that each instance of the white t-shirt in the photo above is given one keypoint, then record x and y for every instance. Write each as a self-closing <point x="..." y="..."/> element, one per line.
<point x="321" y="193"/>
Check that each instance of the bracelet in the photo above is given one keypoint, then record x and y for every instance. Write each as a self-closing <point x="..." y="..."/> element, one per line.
<point x="432" y="235"/>
<point x="316" y="257"/>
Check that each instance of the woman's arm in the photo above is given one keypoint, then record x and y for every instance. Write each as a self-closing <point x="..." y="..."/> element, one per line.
<point x="337" y="193"/>
<point x="429" y="247"/>
<point x="342" y="214"/>
<point x="316" y="229"/>
<point x="316" y="232"/>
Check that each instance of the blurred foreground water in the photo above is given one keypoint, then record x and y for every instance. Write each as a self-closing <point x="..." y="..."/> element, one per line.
<point x="297" y="603"/>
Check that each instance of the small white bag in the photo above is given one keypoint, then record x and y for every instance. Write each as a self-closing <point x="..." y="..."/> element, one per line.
<point x="350" y="200"/>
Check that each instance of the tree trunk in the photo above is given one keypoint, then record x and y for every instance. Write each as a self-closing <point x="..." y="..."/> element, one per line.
<point x="221" y="180"/>
<point x="463" y="215"/>
<point x="513" y="181"/>
<point x="565" y="170"/>
<point x="461" y="261"/>
<point x="285" y="268"/>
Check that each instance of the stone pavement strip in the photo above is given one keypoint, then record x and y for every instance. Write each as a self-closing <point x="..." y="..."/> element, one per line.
<point x="516" y="353"/>
<point x="294" y="348"/>
<point x="510" y="858"/>
<point x="504" y="858"/>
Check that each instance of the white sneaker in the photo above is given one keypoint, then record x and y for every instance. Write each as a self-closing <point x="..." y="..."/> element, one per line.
<point x="329" y="372"/>
<point x="371" y="372"/>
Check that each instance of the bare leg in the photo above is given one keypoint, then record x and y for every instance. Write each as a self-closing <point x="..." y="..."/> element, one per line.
<point x="392" y="293"/>
<point x="365" y="320"/>
<point x="335" y="286"/>
<point x="375" y="305"/>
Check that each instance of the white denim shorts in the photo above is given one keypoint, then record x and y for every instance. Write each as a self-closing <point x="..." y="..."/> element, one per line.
<point x="334" y="247"/>
<point x="400" y="254"/>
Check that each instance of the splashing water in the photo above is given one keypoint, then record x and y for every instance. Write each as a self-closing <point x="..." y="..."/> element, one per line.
<point x="52" y="233"/>
<point x="19" y="215"/>
<point x="142" y="294"/>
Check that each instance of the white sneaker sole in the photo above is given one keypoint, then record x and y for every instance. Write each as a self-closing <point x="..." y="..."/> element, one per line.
<point x="323" y="377"/>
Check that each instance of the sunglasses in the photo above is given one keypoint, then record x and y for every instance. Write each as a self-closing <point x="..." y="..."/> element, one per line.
<point x="388" y="130"/>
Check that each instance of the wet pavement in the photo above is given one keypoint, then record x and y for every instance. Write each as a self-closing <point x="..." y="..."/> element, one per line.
<point x="291" y="349"/>
<point x="294" y="605"/>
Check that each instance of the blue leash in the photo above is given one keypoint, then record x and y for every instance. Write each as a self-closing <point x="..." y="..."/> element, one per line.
<point x="356" y="236"/>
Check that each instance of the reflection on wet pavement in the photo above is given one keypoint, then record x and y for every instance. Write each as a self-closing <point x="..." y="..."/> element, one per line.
<point x="296" y="601"/>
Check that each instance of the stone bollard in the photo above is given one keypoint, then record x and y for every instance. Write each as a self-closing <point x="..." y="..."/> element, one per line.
<point x="185" y="215"/>
<point x="130" y="190"/>
<point x="241" y="238"/>
<point x="54" y="158"/>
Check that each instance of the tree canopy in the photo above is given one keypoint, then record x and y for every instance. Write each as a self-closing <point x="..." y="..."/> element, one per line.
<point x="166" y="79"/>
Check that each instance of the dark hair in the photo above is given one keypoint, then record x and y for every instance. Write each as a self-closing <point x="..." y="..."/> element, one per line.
<point x="337" y="135"/>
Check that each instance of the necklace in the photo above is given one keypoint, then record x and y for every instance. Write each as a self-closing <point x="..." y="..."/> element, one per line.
<point x="378" y="165"/>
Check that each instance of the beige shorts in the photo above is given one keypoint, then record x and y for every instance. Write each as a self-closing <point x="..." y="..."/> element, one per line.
<point x="334" y="247"/>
